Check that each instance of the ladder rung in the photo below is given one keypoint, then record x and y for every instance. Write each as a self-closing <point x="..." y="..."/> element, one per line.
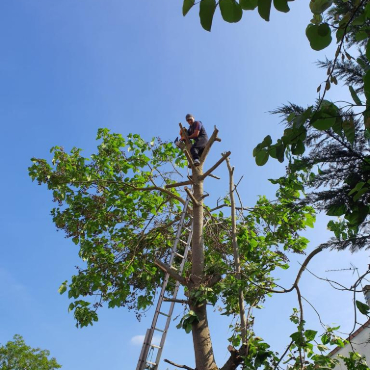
<point x="159" y="330"/>
<point x="173" y="268"/>
<point x="155" y="346"/>
<point x="164" y="314"/>
<point x="187" y="229"/>
<point x="183" y="241"/>
<point x="179" y="255"/>
<point x="151" y="363"/>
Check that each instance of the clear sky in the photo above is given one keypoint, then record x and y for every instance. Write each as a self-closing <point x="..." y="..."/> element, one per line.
<point x="69" y="67"/>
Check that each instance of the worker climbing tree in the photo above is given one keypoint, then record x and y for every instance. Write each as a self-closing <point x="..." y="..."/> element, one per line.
<point x="197" y="133"/>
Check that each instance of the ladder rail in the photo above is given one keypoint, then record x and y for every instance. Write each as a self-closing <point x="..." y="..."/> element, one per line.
<point x="150" y="332"/>
<point x="172" y="306"/>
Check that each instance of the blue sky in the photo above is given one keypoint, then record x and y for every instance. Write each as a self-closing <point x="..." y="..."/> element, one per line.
<point x="69" y="67"/>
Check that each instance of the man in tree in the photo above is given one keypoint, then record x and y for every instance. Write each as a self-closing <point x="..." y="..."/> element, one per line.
<point x="196" y="132"/>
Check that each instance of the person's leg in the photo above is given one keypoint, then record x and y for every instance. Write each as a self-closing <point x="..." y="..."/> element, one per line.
<point x="194" y="151"/>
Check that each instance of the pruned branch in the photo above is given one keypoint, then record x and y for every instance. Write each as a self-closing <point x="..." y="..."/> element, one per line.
<point x="178" y="184"/>
<point x="235" y="358"/>
<point x="224" y="156"/>
<point x="190" y="194"/>
<point x="214" y="176"/>
<point x="208" y="146"/>
<point x="180" y="366"/>
<point x="167" y="269"/>
<point x="213" y="280"/>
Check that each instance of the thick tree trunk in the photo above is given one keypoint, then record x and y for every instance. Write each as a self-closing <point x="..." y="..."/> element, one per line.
<point x="204" y="358"/>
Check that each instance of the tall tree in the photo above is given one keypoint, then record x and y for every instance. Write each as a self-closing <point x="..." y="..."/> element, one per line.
<point x="120" y="206"/>
<point x="16" y="355"/>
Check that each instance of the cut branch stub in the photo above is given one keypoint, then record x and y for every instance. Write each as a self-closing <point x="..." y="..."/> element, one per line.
<point x="177" y="184"/>
<point x="192" y="197"/>
<point x="209" y="144"/>
<point x="164" y="267"/>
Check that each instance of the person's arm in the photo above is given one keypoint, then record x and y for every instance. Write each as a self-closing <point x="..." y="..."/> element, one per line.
<point x="195" y="134"/>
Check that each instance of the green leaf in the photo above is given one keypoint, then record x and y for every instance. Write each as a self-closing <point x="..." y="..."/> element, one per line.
<point x="318" y="36"/>
<point x="262" y="157"/>
<point x="358" y="187"/>
<point x="281" y="5"/>
<point x="63" y="287"/>
<point x="325" y="339"/>
<point x="367" y="85"/>
<point x="319" y="6"/>
<point x="360" y="20"/>
<point x="186" y="6"/>
<point x="206" y="11"/>
<point x="355" y="97"/>
<point x="367" y="10"/>
<point x="264" y="8"/>
<point x="361" y="35"/>
<point x="349" y="130"/>
<point x="298" y="148"/>
<point x="310" y="334"/>
<point x="310" y="220"/>
<point x="267" y="141"/>
<point x="357" y="215"/>
<point x="277" y="151"/>
<point x="324" y="123"/>
<point x="340" y="33"/>
<point x="248" y="4"/>
<point x="360" y="194"/>
<point x="336" y="210"/>
<point x="231" y="11"/>
<point x="362" y="307"/>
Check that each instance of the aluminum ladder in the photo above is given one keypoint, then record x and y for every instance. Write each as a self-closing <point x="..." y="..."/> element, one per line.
<point x="148" y="345"/>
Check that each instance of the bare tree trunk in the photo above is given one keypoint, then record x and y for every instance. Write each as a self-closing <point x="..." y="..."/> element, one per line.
<point x="236" y="252"/>
<point x="204" y="358"/>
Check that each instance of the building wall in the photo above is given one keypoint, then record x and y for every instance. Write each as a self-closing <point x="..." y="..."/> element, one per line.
<point x="360" y="345"/>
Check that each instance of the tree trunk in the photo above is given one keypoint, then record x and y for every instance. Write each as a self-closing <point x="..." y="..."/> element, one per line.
<point x="204" y="358"/>
<point x="243" y="325"/>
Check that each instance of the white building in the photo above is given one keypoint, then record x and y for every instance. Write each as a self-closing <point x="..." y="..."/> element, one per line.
<point x="359" y="340"/>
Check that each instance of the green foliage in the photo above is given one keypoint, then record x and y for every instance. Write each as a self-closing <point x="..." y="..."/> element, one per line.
<point x="187" y="321"/>
<point x="319" y="36"/>
<point x="187" y="5"/>
<point x="231" y="11"/>
<point x="112" y="210"/>
<point x="362" y="307"/>
<point x="355" y="361"/>
<point x="207" y="9"/>
<point x="16" y="355"/>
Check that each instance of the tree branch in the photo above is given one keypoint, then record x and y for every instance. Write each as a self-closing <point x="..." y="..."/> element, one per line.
<point x="167" y="269"/>
<point x="180" y="366"/>
<point x="188" y="192"/>
<point x="177" y="184"/>
<point x="208" y="146"/>
<point x="224" y="156"/>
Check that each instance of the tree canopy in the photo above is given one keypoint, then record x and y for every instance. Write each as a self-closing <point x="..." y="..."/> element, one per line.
<point x="17" y="355"/>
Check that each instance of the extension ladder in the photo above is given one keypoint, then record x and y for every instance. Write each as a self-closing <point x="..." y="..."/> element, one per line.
<point x="148" y="345"/>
